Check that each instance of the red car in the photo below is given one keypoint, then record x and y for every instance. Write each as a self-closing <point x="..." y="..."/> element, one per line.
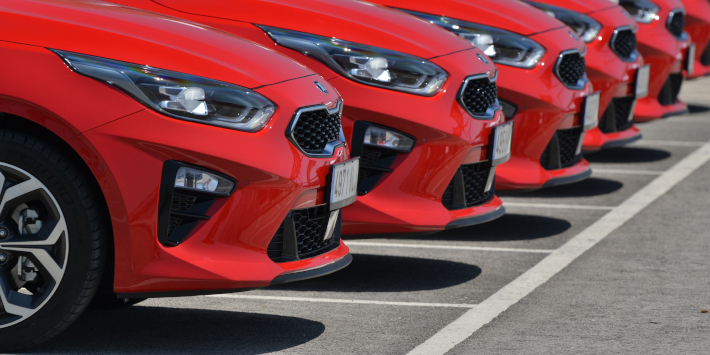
<point x="420" y="104"/>
<point x="542" y="83"/>
<point x="613" y="65"/>
<point x="697" y="24"/>
<point x="664" y="45"/>
<point x="157" y="156"/>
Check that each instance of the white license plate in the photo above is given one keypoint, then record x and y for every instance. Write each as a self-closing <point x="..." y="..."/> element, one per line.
<point x="591" y="111"/>
<point x="690" y="61"/>
<point x="642" y="78"/>
<point x="502" y="140"/>
<point x="343" y="183"/>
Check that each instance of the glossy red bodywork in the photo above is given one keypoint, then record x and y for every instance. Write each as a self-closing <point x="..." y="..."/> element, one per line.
<point x="408" y="199"/>
<point x="697" y="24"/>
<point x="125" y="144"/>
<point x="665" y="53"/>
<point x="544" y="103"/>
<point x="609" y="74"/>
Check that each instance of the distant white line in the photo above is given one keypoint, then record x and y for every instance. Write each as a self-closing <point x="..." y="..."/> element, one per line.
<point x="335" y="300"/>
<point x="486" y="311"/>
<point x="645" y="142"/>
<point x="626" y="171"/>
<point x="555" y="205"/>
<point x="689" y="120"/>
<point x="444" y="247"/>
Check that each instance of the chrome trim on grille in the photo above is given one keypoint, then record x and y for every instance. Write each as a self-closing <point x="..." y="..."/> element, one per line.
<point x="330" y="148"/>
<point x="491" y="111"/>
<point x="635" y="55"/>
<point x="582" y="82"/>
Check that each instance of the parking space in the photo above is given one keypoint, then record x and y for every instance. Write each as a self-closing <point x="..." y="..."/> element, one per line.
<point x="545" y="275"/>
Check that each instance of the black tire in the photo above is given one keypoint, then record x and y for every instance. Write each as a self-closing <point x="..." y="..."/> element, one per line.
<point x="110" y="301"/>
<point x="86" y="234"/>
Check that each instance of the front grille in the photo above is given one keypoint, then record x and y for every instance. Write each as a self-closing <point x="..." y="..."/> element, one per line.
<point x="624" y="44"/>
<point x="616" y="116"/>
<point x="705" y="59"/>
<point x="571" y="69"/>
<point x="315" y="129"/>
<point x="561" y="152"/>
<point x="467" y="187"/>
<point x="671" y="89"/>
<point x="676" y="24"/>
<point x="478" y="95"/>
<point x="303" y="235"/>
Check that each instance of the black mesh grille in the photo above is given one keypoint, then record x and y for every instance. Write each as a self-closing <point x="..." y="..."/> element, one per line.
<point x="182" y="202"/>
<point x="302" y="235"/>
<point x="467" y="188"/>
<point x="677" y="24"/>
<point x="315" y="129"/>
<point x="173" y="223"/>
<point x="310" y="232"/>
<point x="374" y="164"/>
<point x="571" y="68"/>
<point x="624" y="44"/>
<point x="616" y="116"/>
<point x="369" y="157"/>
<point x="479" y="95"/>
<point x="671" y="89"/>
<point x="705" y="59"/>
<point x="562" y="149"/>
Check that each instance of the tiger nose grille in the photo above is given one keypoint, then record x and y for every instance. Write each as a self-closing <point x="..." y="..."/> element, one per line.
<point x="561" y="152"/>
<point x="624" y="44"/>
<point x="467" y="188"/>
<point x="571" y="69"/>
<point x="315" y="129"/>
<point x="616" y="117"/>
<point x="671" y="89"/>
<point x="478" y="95"/>
<point x="676" y="24"/>
<point x="303" y="234"/>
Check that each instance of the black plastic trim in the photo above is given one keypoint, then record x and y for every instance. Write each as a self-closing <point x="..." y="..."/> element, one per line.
<point x="466" y="222"/>
<point x="569" y="179"/>
<point x="315" y="272"/>
<point x="622" y="142"/>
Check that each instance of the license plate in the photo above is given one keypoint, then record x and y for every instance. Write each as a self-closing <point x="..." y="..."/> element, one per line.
<point x="502" y="140"/>
<point x="642" y="78"/>
<point x="690" y="61"/>
<point x="591" y="111"/>
<point x="343" y="183"/>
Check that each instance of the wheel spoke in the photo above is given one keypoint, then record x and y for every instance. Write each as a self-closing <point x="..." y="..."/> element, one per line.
<point x="18" y="190"/>
<point x="10" y="300"/>
<point x="31" y="240"/>
<point x="46" y="261"/>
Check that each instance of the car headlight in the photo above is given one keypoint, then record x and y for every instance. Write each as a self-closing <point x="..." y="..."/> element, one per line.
<point x="644" y="11"/>
<point x="502" y="46"/>
<point x="366" y="64"/>
<point x="586" y="27"/>
<point x="179" y="95"/>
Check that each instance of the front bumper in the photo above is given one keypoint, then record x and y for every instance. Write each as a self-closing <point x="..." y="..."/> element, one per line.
<point x="698" y="27"/>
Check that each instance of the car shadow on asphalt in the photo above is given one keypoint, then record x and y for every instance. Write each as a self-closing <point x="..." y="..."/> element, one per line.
<point x="155" y="330"/>
<point x="627" y="155"/>
<point x="697" y="108"/>
<point x="588" y="188"/>
<point x="386" y="273"/>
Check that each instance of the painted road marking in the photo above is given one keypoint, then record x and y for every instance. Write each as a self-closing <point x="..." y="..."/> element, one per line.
<point x="626" y="171"/>
<point x="335" y="300"/>
<point x="645" y="142"/>
<point x="353" y="243"/>
<point x="462" y="328"/>
<point x="555" y="205"/>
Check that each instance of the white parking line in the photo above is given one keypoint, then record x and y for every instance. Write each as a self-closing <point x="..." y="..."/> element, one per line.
<point x="626" y="172"/>
<point x="555" y="205"/>
<point x="647" y="143"/>
<point x="689" y="120"/>
<point x="444" y="247"/>
<point x="486" y="311"/>
<point x="335" y="300"/>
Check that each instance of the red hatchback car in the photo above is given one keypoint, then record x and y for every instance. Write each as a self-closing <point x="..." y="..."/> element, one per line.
<point x="420" y="104"/>
<point x="542" y="83"/>
<point x="614" y="65"/>
<point x="157" y="156"/>
<point x="664" y="44"/>
<point x="697" y="24"/>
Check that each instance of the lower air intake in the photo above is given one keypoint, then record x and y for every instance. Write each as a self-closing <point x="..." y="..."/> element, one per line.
<point x="468" y="187"/>
<point x="617" y="116"/>
<point x="304" y="233"/>
<point x="671" y="89"/>
<point x="562" y="151"/>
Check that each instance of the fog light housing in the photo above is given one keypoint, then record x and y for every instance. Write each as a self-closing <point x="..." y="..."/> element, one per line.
<point x="202" y="181"/>
<point x="380" y="137"/>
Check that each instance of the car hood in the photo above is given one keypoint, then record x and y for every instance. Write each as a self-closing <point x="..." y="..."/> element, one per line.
<point x="355" y="21"/>
<point x="131" y="35"/>
<point x="583" y="6"/>
<point x="510" y="15"/>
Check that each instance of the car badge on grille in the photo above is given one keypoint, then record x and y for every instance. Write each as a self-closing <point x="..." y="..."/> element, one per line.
<point x="482" y="58"/>
<point x="321" y="87"/>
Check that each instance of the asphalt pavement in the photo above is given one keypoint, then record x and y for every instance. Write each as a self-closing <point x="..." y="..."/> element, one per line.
<point x="615" y="264"/>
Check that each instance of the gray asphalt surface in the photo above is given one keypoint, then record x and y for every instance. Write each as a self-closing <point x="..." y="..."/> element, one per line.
<point x="640" y="290"/>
